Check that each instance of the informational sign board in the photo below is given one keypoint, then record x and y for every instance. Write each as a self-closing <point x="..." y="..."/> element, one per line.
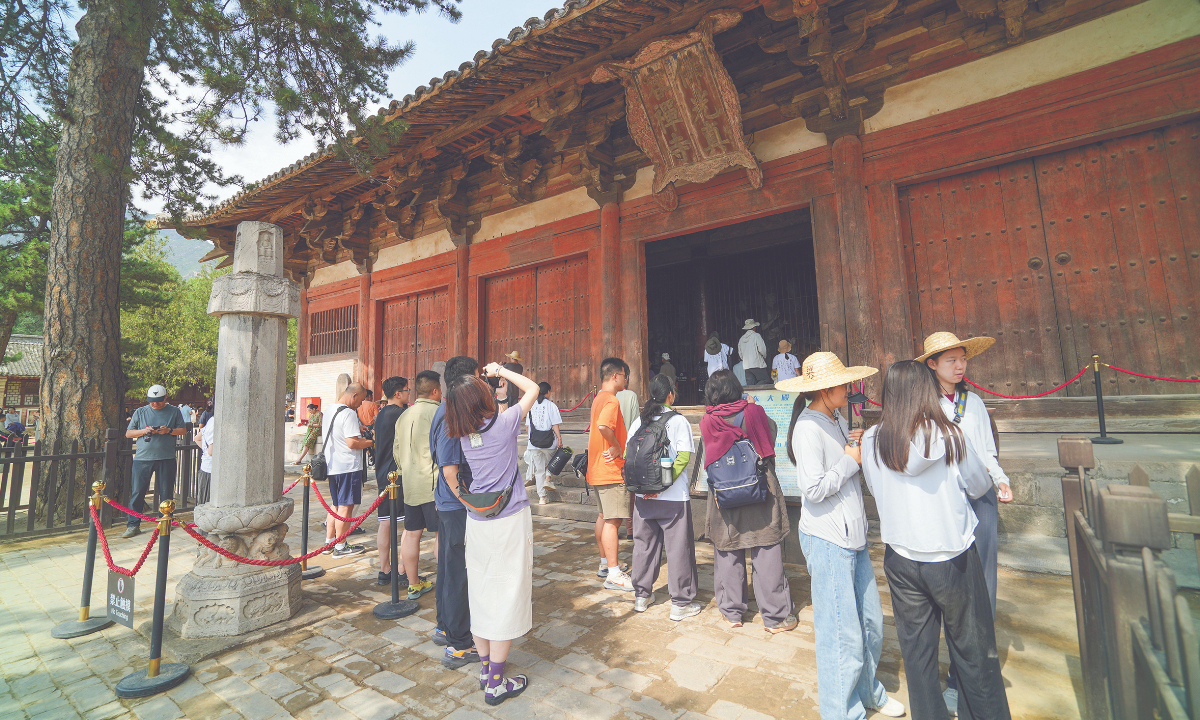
<point x="120" y="599"/>
<point x="778" y="406"/>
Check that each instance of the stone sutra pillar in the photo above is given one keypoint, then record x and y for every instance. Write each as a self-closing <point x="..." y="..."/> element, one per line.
<point x="220" y="597"/>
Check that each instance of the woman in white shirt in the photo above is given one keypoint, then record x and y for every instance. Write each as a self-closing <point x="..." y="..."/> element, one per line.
<point x="946" y="357"/>
<point x="785" y="365"/>
<point x="204" y="439"/>
<point x="666" y="518"/>
<point x="923" y="473"/>
<point x="833" y="535"/>
<point x="542" y="424"/>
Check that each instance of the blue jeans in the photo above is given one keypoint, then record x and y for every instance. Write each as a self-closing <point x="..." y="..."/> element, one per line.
<point x="848" y="623"/>
<point x="142" y="470"/>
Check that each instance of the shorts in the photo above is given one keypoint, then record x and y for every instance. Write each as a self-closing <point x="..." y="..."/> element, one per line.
<point x="613" y="500"/>
<point x="421" y="517"/>
<point x="385" y="507"/>
<point x="346" y="488"/>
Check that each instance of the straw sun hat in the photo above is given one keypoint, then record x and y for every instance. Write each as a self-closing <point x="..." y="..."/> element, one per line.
<point x="785" y="346"/>
<point x="824" y="370"/>
<point x="515" y="356"/>
<point x="942" y="341"/>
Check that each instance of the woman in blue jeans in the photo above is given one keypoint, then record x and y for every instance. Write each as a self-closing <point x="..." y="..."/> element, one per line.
<point x="847" y="613"/>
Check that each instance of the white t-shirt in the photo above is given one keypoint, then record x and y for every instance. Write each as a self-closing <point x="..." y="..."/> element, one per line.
<point x="720" y="361"/>
<point x="206" y="441"/>
<point x="544" y="415"/>
<point x="679" y="433"/>
<point x="786" y="366"/>
<point x="340" y="457"/>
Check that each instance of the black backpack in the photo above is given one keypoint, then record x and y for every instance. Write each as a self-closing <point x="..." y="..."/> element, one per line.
<point x="643" y="472"/>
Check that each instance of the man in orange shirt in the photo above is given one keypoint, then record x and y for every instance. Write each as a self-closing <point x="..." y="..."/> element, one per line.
<point x="368" y="410"/>
<point x="606" y="459"/>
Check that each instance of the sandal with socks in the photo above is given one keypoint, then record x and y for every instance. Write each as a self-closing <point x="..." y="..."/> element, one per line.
<point x="509" y="687"/>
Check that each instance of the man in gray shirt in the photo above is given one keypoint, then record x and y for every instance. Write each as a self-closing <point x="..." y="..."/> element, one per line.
<point x="153" y="427"/>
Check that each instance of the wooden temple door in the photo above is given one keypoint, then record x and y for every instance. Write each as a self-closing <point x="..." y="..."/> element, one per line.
<point x="543" y="313"/>
<point x="414" y="333"/>
<point x="1091" y="250"/>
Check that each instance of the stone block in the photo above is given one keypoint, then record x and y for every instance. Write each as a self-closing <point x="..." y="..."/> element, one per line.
<point x="236" y="604"/>
<point x="389" y="682"/>
<point x="1031" y="519"/>
<point x="370" y="705"/>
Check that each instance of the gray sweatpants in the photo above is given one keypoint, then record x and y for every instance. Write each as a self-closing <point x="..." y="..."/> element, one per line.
<point x="659" y="522"/>
<point x="771" y="589"/>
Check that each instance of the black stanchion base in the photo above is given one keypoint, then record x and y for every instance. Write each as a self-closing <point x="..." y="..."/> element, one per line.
<point x="1107" y="441"/>
<point x="76" y="628"/>
<point x="394" y="611"/>
<point x="136" y="685"/>
<point x="314" y="571"/>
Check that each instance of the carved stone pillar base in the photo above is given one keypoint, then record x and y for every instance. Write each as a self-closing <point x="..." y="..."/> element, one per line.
<point x="221" y="597"/>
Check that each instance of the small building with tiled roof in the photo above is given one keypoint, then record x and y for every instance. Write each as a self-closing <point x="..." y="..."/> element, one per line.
<point x="20" y="380"/>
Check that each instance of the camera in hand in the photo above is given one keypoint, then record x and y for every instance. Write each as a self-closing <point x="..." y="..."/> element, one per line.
<point x="367" y="433"/>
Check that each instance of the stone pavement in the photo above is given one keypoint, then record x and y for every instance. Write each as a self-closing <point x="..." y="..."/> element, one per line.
<point x="588" y="656"/>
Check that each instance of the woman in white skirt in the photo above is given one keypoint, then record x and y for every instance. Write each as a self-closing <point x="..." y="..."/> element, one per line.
<point x="499" y="549"/>
<point x="847" y="612"/>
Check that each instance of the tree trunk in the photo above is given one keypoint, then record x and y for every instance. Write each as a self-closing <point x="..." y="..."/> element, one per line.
<point x="7" y="321"/>
<point x="82" y="382"/>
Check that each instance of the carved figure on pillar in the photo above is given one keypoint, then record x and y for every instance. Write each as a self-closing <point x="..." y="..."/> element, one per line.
<point x="246" y="515"/>
<point x="683" y="109"/>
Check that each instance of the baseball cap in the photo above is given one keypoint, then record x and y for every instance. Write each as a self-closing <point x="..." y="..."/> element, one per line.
<point x="156" y="393"/>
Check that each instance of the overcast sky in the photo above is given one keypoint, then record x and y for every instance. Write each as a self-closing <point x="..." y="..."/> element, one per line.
<point x="440" y="46"/>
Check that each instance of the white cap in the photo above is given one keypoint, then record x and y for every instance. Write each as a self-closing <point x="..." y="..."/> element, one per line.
<point x="156" y="393"/>
<point x="666" y="356"/>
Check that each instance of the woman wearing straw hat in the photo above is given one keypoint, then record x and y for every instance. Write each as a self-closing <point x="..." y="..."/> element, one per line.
<point x="833" y="535"/>
<point x="946" y="357"/>
<point x="785" y="366"/>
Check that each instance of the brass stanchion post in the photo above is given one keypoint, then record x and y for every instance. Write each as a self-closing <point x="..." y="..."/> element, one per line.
<point x="397" y="608"/>
<point x="157" y="677"/>
<point x="1104" y="439"/>
<point x="306" y="572"/>
<point x="86" y="624"/>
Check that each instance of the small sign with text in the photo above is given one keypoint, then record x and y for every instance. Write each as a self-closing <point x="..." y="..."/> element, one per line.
<point x="120" y="599"/>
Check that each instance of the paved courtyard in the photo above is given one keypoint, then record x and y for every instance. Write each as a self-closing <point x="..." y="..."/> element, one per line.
<point x="588" y="656"/>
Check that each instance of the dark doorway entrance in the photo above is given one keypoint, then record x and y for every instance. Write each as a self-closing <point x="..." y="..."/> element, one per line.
<point x="716" y="279"/>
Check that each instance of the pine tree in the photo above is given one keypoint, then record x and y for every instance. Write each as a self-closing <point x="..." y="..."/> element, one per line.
<point x="150" y="86"/>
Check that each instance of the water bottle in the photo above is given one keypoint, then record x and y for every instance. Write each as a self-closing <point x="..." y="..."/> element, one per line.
<point x="666" y="464"/>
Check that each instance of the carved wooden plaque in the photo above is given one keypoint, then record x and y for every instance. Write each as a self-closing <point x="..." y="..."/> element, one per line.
<point x="683" y="109"/>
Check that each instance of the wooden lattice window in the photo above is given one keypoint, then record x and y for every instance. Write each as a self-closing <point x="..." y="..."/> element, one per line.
<point x="333" y="332"/>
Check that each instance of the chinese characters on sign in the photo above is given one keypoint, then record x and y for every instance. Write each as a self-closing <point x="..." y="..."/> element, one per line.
<point x="683" y="109"/>
<point x="120" y="599"/>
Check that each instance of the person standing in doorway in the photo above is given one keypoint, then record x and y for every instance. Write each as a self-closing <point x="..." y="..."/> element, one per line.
<point x="395" y="391"/>
<point x="419" y="473"/>
<point x="716" y="354"/>
<point x="665" y="519"/>
<point x="606" y="458"/>
<point x="667" y="368"/>
<point x="785" y="366"/>
<point x="345" y="452"/>
<point x="453" y="630"/>
<point x="543" y="424"/>
<point x="847" y="612"/>
<point x="153" y="426"/>
<point x="946" y="357"/>
<point x="923" y="474"/>
<point x="757" y="529"/>
<point x="753" y="352"/>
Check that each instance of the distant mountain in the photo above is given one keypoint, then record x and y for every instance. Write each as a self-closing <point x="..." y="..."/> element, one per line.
<point x="185" y="254"/>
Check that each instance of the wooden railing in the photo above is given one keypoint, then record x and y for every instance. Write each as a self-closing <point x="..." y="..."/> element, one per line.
<point x="45" y="493"/>
<point x="1137" y="642"/>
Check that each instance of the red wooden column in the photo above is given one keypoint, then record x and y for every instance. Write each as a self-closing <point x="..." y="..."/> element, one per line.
<point x="366" y="338"/>
<point x="633" y="314"/>
<point x="863" y="314"/>
<point x="891" y="274"/>
<point x="460" y="334"/>
<point x="608" y="294"/>
<point x="827" y="250"/>
<point x="301" y="337"/>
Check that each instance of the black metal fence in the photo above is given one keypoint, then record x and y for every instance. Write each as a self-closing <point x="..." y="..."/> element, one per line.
<point x="43" y="493"/>
<point x="1137" y="641"/>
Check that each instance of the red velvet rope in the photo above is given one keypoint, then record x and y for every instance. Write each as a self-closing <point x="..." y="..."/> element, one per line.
<point x="581" y="402"/>
<point x="1028" y="397"/>
<point x="108" y="555"/>
<point x="289" y="487"/>
<point x="330" y="510"/>
<point x="1150" y="377"/>
<point x="128" y="511"/>
<point x="290" y="561"/>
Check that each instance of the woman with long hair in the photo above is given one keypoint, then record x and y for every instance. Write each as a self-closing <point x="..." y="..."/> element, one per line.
<point x="542" y="425"/>
<point x="923" y="474"/>
<point x="499" y="549"/>
<point x="847" y="612"/>
<point x="758" y="528"/>
<point x="665" y="518"/>
<point x="946" y="357"/>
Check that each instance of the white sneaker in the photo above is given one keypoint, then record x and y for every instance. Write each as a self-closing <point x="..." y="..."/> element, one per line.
<point x="602" y="571"/>
<point x="543" y="501"/>
<point x="619" y="581"/>
<point x="895" y="708"/>
<point x="951" y="698"/>
<point x="549" y="485"/>
<point x="690" y="610"/>
<point x="640" y="604"/>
